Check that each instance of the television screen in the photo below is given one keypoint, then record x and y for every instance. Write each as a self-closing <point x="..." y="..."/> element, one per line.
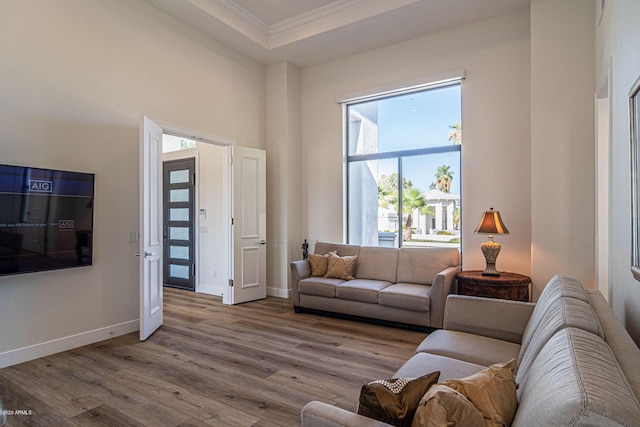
<point x="46" y="219"/>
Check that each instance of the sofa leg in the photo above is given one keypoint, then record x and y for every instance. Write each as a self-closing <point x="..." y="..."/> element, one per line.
<point x="297" y="309"/>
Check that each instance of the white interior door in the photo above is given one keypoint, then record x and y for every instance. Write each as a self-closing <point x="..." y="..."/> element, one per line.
<point x="150" y="228"/>
<point x="249" y="218"/>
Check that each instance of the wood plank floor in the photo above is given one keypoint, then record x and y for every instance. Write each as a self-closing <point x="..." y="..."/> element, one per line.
<point x="255" y="364"/>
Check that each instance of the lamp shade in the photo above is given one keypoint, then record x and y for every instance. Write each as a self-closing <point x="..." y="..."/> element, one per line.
<point x="491" y="223"/>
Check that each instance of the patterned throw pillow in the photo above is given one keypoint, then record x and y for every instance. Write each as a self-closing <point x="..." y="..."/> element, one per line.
<point x="318" y="264"/>
<point x="341" y="267"/>
<point x="394" y="401"/>
<point x="492" y="392"/>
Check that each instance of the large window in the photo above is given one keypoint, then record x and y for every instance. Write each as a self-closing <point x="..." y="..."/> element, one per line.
<point x="403" y="169"/>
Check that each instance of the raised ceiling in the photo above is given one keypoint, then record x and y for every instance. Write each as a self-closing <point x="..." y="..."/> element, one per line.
<point x="309" y="32"/>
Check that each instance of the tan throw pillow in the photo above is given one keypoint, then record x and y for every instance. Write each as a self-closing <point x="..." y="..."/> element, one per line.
<point x="341" y="267"/>
<point x="492" y="392"/>
<point x="394" y="401"/>
<point x="442" y="406"/>
<point x="318" y="264"/>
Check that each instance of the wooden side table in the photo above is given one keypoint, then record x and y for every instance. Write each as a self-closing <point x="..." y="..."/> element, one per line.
<point x="511" y="286"/>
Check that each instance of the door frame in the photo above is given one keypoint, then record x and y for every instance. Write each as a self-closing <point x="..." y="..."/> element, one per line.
<point x="169" y="129"/>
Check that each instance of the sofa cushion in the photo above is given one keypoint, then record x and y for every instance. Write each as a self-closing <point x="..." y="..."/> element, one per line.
<point x="320" y="286"/>
<point x="575" y="380"/>
<point x="406" y="295"/>
<point x="377" y="263"/>
<point x="492" y="391"/>
<point x="421" y="265"/>
<point x="444" y="406"/>
<point x="472" y="348"/>
<point x="422" y="363"/>
<point x="361" y="290"/>
<point x="558" y="287"/>
<point x="394" y="401"/>
<point x="341" y="267"/>
<point x="560" y="313"/>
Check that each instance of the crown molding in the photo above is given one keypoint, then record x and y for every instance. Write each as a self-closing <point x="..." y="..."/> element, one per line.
<point x="245" y="15"/>
<point x="313" y="15"/>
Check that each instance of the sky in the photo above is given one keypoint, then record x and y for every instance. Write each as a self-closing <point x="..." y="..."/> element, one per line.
<point x="419" y="120"/>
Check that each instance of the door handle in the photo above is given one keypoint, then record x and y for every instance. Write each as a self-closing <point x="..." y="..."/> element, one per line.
<point x="262" y="242"/>
<point x="149" y="254"/>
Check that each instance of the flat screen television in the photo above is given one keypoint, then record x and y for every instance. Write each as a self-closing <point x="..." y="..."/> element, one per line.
<point x="46" y="219"/>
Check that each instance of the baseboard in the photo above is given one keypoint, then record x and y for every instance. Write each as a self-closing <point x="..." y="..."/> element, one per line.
<point x="211" y="290"/>
<point x="279" y="292"/>
<point x="24" y="354"/>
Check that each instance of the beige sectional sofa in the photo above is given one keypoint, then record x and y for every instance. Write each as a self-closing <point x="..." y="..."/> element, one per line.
<point x="576" y="364"/>
<point x="405" y="286"/>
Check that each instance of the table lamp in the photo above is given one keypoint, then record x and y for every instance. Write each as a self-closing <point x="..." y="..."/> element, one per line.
<point x="491" y="224"/>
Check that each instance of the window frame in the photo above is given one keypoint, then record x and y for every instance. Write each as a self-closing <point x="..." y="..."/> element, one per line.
<point x="390" y="91"/>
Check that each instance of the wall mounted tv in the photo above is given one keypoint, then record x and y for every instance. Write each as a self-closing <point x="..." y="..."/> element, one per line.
<point x="46" y="219"/>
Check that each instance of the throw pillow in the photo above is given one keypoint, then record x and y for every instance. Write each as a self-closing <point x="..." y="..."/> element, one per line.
<point x="394" y="401"/>
<point x="442" y="406"/>
<point x="341" y="267"/>
<point x="318" y="264"/>
<point x="492" y="391"/>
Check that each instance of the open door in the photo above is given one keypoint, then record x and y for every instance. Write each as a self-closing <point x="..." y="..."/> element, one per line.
<point x="249" y="217"/>
<point x="150" y="228"/>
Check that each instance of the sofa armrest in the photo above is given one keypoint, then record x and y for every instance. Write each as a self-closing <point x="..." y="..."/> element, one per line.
<point x="318" y="414"/>
<point x="442" y="286"/>
<point x="299" y="270"/>
<point x="495" y="318"/>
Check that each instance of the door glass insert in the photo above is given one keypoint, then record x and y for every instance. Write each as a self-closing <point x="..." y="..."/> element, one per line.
<point x="179" y="271"/>
<point x="179" y="252"/>
<point x="179" y="214"/>
<point x="179" y="233"/>
<point x="179" y="195"/>
<point x="179" y="176"/>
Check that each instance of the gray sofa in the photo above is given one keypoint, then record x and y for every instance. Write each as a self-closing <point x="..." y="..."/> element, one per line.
<point x="576" y="364"/>
<point x="405" y="286"/>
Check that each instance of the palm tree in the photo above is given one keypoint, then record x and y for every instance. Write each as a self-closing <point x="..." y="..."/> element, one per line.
<point x="444" y="176"/>
<point x="456" y="219"/>
<point x="455" y="134"/>
<point x="412" y="199"/>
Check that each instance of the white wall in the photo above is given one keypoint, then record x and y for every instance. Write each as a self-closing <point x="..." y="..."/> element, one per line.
<point x="283" y="170"/>
<point x="617" y="39"/>
<point x="75" y="78"/>
<point x="495" y="56"/>
<point x="562" y="140"/>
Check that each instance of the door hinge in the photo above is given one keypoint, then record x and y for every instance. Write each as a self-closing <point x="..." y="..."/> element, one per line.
<point x="231" y="221"/>
<point x="194" y="269"/>
<point x="230" y="282"/>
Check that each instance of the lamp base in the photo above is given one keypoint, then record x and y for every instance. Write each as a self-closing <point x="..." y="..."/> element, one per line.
<point x="490" y="250"/>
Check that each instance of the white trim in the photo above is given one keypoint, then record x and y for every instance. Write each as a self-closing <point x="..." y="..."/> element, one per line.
<point x="210" y="289"/>
<point x="313" y="15"/>
<point x="279" y="292"/>
<point x="173" y="130"/>
<point x="245" y="15"/>
<point x="406" y="86"/>
<point x="24" y="354"/>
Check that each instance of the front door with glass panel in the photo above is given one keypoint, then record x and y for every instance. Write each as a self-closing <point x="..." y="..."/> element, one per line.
<point x="179" y="185"/>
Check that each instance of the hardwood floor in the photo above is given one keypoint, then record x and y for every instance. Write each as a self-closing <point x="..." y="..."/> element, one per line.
<point x="255" y="364"/>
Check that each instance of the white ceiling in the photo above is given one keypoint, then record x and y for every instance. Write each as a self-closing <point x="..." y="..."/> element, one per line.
<point x="309" y="32"/>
